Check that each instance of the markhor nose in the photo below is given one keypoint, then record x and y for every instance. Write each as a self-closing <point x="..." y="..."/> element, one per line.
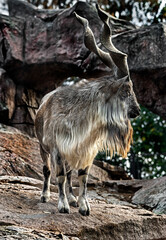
<point x="135" y="113"/>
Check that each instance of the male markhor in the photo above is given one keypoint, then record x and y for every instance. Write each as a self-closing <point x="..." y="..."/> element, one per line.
<point x="74" y="122"/>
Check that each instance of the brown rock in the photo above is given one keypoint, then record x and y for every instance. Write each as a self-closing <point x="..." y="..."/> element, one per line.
<point x="19" y="154"/>
<point x="114" y="172"/>
<point x="23" y="215"/>
<point x="99" y="174"/>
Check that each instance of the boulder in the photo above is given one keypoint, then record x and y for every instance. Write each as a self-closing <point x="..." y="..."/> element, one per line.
<point x="114" y="172"/>
<point x="152" y="195"/>
<point x="147" y="193"/>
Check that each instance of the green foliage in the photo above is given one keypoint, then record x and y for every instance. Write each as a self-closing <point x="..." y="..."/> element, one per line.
<point x="149" y="147"/>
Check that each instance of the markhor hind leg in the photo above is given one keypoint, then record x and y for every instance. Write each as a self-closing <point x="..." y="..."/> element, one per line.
<point x="70" y="195"/>
<point x="83" y="203"/>
<point x="63" y="205"/>
<point x="45" y="196"/>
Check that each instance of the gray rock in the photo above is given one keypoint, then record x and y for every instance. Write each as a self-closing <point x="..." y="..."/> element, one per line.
<point x="24" y="217"/>
<point x="152" y="195"/>
<point x="146" y="48"/>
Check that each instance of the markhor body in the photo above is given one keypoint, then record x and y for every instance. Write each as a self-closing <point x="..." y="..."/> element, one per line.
<point x="74" y="122"/>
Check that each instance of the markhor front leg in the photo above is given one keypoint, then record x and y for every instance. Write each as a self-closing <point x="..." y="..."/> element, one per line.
<point x="70" y="195"/>
<point x="63" y="205"/>
<point x="84" y="207"/>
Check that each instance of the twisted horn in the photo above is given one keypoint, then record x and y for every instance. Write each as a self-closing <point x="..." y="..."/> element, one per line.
<point x="113" y="56"/>
<point x="119" y="58"/>
<point x="90" y="42"/>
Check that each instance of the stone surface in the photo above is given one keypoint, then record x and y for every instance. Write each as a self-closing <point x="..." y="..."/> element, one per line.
<point x="39" y="49"/>
<point x="116" y="205"/>
<point x="22" y="215"/>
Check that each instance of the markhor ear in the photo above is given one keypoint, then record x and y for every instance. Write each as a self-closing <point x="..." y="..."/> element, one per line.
<point x="119" y="83"/>
<point x="124" y="90"/>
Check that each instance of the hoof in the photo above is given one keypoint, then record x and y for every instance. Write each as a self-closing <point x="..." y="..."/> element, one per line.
<point x="63" y="206"/>
<point x="44" y="199"/>
<point x="84" y="207"/>
<point x="84" y="212"/>
<point x="64" y="210"/>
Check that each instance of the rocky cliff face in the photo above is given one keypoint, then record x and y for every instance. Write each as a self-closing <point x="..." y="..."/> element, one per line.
<point x="39" y="49"/>
<point x="120" y="209"/>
